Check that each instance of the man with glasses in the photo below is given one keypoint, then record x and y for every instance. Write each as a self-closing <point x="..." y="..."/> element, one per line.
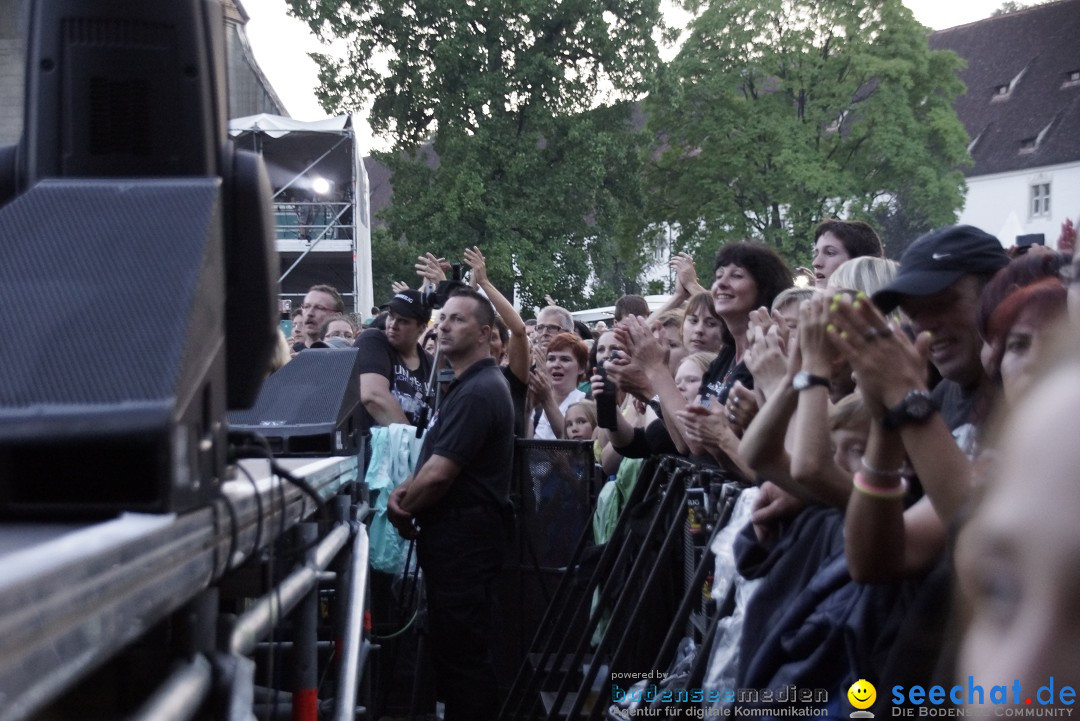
<point x="551" y="321"/>
<point x="320" y="304"/>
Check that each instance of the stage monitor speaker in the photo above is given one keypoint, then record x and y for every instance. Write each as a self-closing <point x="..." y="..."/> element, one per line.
<point x="310" y="406"/>
<point x="137" y="253"/>
<point x="112" y="397"/>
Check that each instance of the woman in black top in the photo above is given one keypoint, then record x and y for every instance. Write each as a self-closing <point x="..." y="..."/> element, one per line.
<point x="746" y="276"/>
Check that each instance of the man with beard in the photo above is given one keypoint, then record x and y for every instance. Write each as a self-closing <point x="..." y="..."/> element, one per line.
<point x="321" y="303"/>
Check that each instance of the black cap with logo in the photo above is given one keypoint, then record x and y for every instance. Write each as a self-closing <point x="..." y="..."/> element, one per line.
<point x="940" y="258"/>
<point x="409" y="304"/>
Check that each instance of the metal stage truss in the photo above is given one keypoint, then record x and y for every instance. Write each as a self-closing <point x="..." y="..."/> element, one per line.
<point x="73" y="597"/>
<point x="321" y="203"/>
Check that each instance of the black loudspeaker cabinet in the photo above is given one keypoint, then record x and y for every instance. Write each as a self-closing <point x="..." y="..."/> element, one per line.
<point x="112" y="397"/>
<point x="310" y="406"/>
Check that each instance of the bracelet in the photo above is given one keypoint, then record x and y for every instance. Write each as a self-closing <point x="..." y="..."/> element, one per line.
<point x="892" y="493"/>
<point x="876" y="486"/>
<point x="898" y="473"/>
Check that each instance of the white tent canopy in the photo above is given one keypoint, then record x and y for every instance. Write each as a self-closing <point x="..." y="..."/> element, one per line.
<point x="608" y="312"/>
<point x="277" y="126"/>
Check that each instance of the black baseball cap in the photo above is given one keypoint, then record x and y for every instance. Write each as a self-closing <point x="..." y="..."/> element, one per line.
<point x="940" y="258"/>
<point x="409" y="304"/>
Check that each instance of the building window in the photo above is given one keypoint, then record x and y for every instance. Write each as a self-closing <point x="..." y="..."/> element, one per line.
<point x="1040" y="200"/>
<point x="1072" y="79"/>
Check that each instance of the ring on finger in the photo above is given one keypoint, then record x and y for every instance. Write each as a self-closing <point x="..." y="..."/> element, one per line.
<point x="870" y="333"/>
<point x="731" y="417"/>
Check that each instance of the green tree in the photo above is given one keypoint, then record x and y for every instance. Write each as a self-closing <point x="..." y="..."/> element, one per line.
<point x="777" y="113"/>
<point x="392" y="259"/>
<point x="1009" y="7"/>
<point x="500" y="138"/>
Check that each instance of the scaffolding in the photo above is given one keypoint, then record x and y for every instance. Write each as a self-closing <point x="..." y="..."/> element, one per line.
<point x="321" y="204"/>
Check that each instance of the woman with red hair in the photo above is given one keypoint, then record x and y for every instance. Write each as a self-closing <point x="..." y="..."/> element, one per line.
<point x="554" y="388"/>
<point x="1017" y="330"/>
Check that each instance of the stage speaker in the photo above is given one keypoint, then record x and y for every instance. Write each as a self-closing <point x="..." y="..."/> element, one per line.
<point x="112" y="397"/>
<point x="136" y="248"/>
<point x="310" y="406"/>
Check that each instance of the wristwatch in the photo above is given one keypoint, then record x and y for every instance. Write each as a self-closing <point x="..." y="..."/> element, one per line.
<point x="804" y="380"/>
<point x="917" y="407"/>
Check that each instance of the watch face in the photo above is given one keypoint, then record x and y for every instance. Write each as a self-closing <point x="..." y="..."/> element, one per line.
<point x="919" y="405"/>
<point x="804" y="380"/>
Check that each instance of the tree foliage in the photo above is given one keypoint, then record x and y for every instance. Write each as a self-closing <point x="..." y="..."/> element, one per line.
<point x="1009" y="7"/>
<point x="498" y="136"/>
<point x="777" y="113"/>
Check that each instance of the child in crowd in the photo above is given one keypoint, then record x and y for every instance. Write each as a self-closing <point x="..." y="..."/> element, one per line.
<point x="581" y="421"/>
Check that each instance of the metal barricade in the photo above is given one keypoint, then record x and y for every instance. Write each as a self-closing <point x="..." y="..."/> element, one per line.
<point x="645" y="592"/>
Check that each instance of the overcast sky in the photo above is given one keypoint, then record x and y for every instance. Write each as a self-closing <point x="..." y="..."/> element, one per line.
<point x="281" y="44"/>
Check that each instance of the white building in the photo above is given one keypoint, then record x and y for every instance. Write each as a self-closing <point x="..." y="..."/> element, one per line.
<point x="1022" y="111"/>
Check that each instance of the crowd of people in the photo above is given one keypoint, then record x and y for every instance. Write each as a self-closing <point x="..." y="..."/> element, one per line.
<point x="903" y="429"/>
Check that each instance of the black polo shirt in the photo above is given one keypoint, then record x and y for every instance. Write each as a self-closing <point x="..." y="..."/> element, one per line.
<point x="474" y="427"/>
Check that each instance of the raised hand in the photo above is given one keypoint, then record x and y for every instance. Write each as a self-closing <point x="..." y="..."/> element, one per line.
<point x="685" y="274"/>
<point x="475" y="260"/>
<point x="634" y="335"/>
<point x="765" y="357"/>
<point x="887" y="365"/>
<point x="431" y="268"/>
<point x="741" y="407"/>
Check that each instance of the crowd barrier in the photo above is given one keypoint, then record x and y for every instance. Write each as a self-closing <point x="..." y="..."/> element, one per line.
<point x="623" y="607"/>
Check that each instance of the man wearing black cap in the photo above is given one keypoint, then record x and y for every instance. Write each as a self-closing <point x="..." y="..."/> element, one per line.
<point x="941" y="277"/>
<point x="394" y="369"/>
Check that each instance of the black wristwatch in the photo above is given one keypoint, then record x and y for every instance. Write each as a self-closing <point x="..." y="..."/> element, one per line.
<point x="917" y="407"/>
<point x="804" y="380"/>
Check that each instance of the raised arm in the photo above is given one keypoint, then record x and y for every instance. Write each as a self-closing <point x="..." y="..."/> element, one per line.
<point x="686" y="284"/>
<point x="884" y="542"/>
<point x="812" y="464"/>
<point x="643" y="348"/>
<point x="517" y="348"/>
<point x="888" y="367"/>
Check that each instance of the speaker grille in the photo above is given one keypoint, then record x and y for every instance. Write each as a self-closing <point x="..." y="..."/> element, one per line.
<point x="117" y="33"/>
<point x="309" y="406"/>
<point x="105" y="279"/>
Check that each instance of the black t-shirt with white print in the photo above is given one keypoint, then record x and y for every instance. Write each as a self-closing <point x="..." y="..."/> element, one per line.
<point x="407" y="386"/>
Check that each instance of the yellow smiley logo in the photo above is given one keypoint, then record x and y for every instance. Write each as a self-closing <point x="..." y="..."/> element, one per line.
<point x="862" y="694"/>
